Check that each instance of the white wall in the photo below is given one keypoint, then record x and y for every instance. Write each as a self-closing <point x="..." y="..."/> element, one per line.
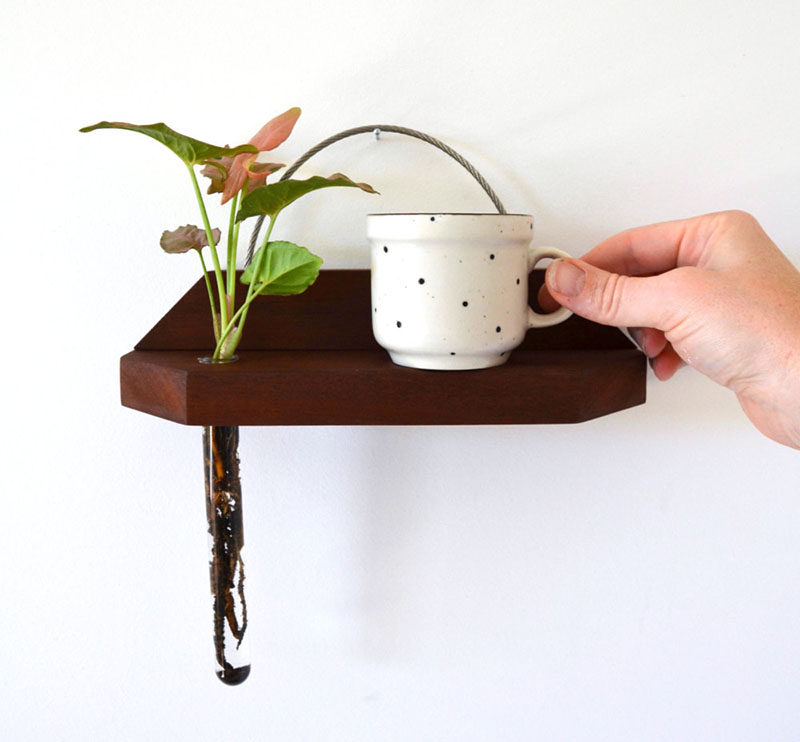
<point x="631" y="578"/>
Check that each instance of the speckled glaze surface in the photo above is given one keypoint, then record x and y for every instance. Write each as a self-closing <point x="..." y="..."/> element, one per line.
<point x="450" y="291"/>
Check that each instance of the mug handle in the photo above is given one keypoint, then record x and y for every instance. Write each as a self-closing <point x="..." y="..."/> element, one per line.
<point x="537" y="319"/>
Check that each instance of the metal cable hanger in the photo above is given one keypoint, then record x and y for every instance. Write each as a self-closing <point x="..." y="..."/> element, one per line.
<point x="376" y="129"/>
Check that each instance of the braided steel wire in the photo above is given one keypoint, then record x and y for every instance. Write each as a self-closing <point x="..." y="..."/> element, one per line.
<point x="377" y="129"/>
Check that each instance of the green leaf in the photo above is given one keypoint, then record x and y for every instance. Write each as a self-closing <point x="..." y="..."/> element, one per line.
<point x="285" y="269"/>
<point x="270" y="199"/>
<point x="191" y="151"/>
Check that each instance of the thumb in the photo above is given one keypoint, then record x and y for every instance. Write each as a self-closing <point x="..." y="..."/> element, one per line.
<point x="610" y="298"/>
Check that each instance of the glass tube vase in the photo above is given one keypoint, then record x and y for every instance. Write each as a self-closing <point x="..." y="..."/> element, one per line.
<point x="226" y="540"/>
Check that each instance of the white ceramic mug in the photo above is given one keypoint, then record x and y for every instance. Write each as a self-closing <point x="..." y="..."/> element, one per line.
<point x="450" y="291"/>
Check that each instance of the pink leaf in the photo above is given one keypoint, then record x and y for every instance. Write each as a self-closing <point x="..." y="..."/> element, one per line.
<point x="217" y="173"/>
<point x="269" y="136"/>
<point x="275" y="132"/>
<point x="260" y="170"/>
<point x="186" y="238"/>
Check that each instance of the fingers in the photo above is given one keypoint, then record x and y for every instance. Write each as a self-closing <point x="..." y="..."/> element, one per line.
<point x="610" y="298"/>
<point x="545" y="299"/>
<point x="666" y="363"/>
<point x="652" y="249"/>
<point x="663" y="359"/>
<point x="649" y="306"/>
<point x="646" y="251"/>
<point x="651" y="341"/>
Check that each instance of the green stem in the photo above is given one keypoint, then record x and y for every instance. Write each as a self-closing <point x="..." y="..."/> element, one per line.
<point x="231" y="324"/>
<point x="233" y="241"/>
<point x="251" y="295"/>
<point x="223" y="304"/>
<point x="214" y="316"/>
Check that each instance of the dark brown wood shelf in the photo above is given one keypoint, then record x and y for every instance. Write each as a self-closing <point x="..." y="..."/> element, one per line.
<point x="311" y="360"/>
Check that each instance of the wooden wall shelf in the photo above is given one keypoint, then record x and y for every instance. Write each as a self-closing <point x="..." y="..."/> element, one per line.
<point x="311" y="359"/>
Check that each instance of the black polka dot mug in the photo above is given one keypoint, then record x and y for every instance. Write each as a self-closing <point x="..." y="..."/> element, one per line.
<point x="450" y="291"/>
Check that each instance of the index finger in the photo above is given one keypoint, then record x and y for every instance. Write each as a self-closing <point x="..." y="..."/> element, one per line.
<point x="648" y="250"/>
<point x="642" y="251"/>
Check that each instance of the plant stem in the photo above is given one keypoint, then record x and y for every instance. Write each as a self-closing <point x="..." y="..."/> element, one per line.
<point x="230" y="326"/>
<point x="223" y="308"/>
<point x="233" y="241"/>
<point x="251" y="295"/>
<point x="214" y="316"/>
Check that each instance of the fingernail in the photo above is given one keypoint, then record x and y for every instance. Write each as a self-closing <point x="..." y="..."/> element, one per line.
<point x="567" y="278"/>
<point x="637" y="333"/>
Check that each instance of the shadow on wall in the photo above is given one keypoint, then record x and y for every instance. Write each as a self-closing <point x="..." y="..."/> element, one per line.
<point x="396" y="516"/>
<point x="412" y="514"/>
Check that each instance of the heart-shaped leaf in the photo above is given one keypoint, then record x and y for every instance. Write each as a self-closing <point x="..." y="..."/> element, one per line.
<point x="186" y="238"/>
<point x="217" y="172"/>
<point x="270" y="199"/>
<point x="191" y="151"/>
<point x="285" y="269"/>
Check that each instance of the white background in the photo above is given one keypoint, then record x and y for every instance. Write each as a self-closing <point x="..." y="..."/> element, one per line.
<point x="632" y="578"/>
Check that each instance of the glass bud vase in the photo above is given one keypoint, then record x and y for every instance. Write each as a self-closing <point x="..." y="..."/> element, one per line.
<point x="226" y="539"/>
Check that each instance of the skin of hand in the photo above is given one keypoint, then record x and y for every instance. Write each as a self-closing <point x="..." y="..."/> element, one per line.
<point x="713" y="292"/>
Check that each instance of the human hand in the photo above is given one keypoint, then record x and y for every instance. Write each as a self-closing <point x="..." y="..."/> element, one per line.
<point x="713" y="292"/>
